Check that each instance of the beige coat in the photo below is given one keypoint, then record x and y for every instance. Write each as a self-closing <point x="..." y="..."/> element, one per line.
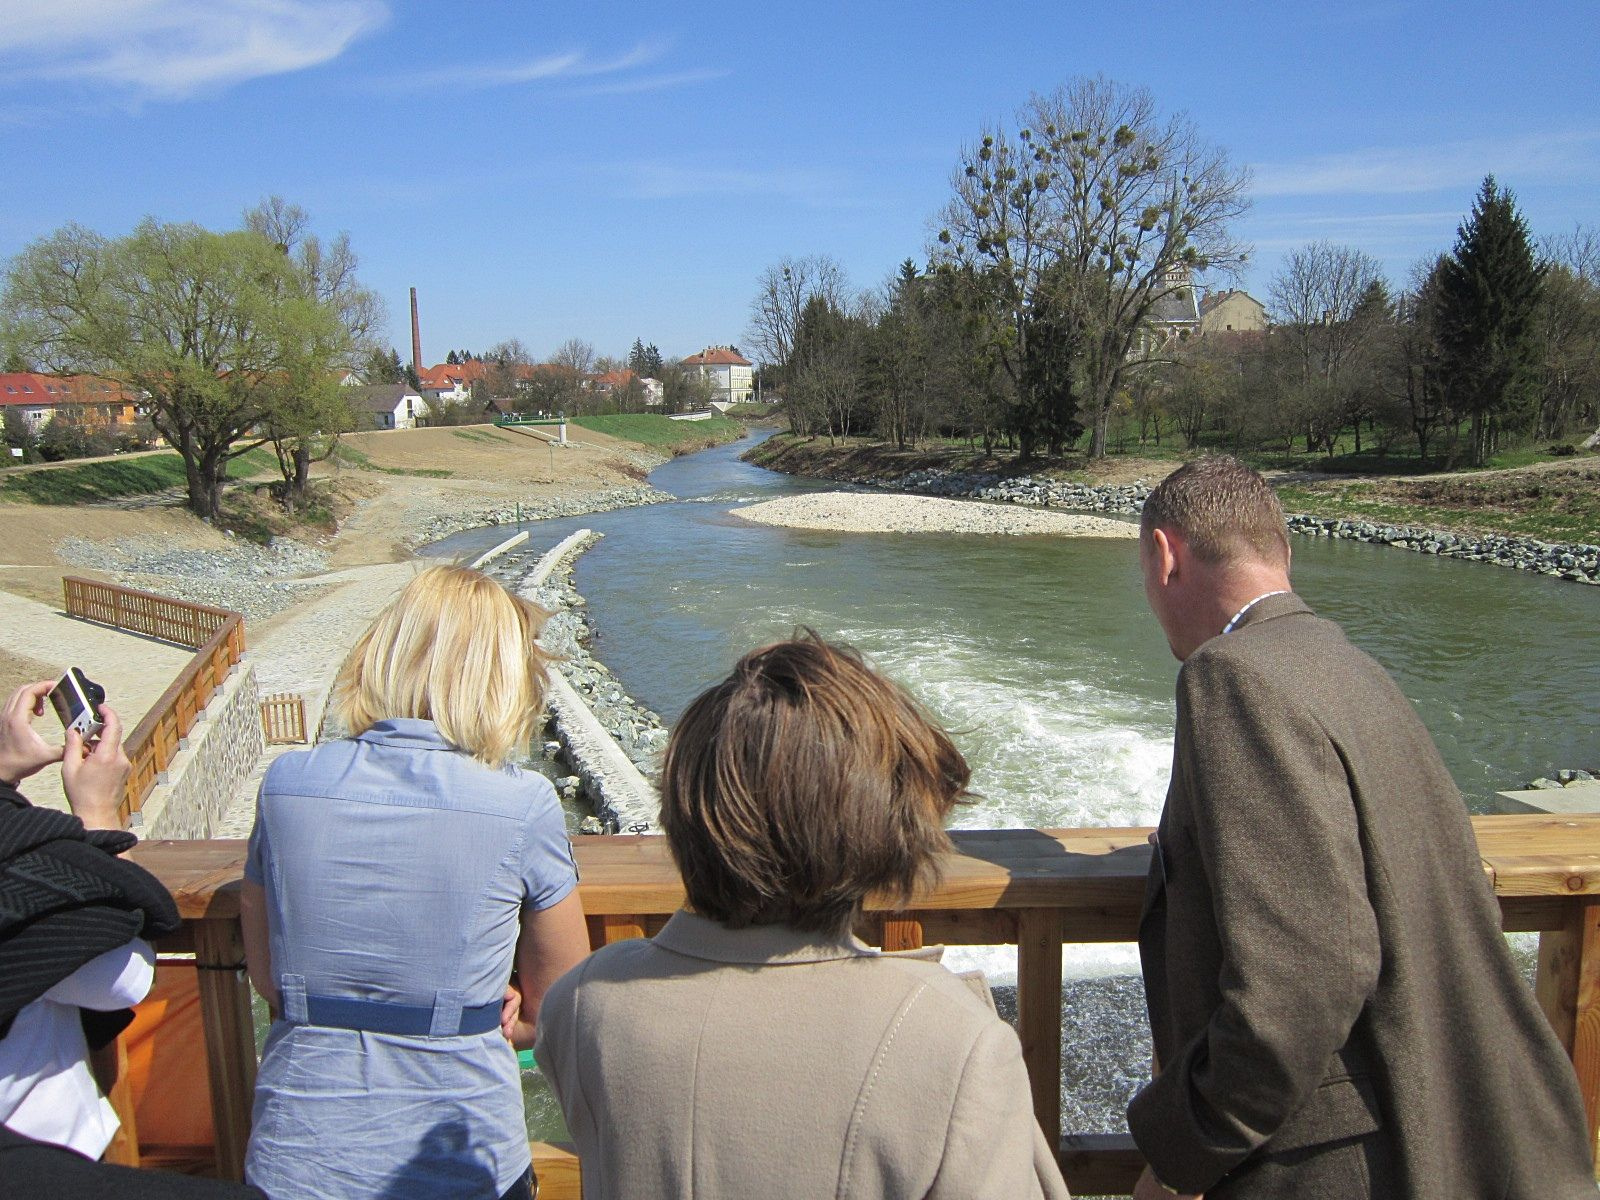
<point x="1332" y="1000"/>
<point x="763" y="1063"/>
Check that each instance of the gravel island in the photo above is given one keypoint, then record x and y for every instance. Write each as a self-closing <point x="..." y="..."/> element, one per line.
<point x="870" y="512"/>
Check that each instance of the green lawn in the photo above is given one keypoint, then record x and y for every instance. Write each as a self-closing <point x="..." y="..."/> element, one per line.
<point x="663" y="433"/>
<point x="112" y="478"/>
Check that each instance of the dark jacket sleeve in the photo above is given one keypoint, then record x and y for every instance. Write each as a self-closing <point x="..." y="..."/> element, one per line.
<point x="1274" y="829"/>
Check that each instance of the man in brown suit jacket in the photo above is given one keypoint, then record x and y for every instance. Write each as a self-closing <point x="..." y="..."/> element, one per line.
<point x="1334" y="1009"/>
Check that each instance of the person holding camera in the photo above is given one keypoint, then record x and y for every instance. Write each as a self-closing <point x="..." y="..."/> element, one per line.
<point x="74" y="931"/>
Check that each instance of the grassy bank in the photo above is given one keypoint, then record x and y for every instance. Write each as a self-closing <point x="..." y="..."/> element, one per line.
<point x="663" y="433"/>
<point x="1557" y="501"/>
<point x="1553" y="505"/>
<point x="116" y="478"/>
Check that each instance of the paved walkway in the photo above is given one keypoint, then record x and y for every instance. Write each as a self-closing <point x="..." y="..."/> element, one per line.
<point x="135" y="670"/>
<point x="303" y="654"/>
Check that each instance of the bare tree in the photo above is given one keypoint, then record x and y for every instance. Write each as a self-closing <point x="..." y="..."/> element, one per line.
<point x="1097" y="208"/>
<point x="575" y="355"/>
<point x="782" y="293"/>
<point x="1569" y="330"/>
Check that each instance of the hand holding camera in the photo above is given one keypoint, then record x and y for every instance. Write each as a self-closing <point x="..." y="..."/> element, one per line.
<point x="93" y="768"/>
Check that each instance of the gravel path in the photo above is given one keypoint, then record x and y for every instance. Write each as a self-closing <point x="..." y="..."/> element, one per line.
<point x="866" y="512"/>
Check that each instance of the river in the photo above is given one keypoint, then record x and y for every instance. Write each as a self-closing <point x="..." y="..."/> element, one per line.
<point x="1040" y="655"/>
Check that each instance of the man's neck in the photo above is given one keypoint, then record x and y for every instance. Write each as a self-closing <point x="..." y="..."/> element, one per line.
<point x="1235" y="588"/>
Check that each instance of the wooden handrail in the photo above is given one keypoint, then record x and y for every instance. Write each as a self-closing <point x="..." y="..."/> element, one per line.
<point x="217" y="636"/>
<point x="1033" y="888"/>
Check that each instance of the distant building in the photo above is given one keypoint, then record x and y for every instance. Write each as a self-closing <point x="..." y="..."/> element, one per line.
<point x="451" y="382"/>
<point x="729" y="373"/>
<point x="388" y="406"/>
<point x="1232" y="312"/>
<point x="40" y="398"/>
<point x="651" y="391"/>
<point x="1175" y="315"/>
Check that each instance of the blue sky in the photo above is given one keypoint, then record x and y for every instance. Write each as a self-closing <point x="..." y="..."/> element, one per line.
<point x="612" y="171"/>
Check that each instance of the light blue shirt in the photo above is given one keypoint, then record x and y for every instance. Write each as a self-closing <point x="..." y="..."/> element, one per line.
<point x="396" y="869"/>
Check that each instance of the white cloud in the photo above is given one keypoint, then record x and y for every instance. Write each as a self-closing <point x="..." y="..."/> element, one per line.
<point x="1399" y="170"/>
<point x="611" y="76"/>
<point x="172" y="48"/>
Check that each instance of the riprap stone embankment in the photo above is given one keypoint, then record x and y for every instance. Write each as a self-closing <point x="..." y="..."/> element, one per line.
<point x="1576" y="562"/>
<point x="540" y="508"/>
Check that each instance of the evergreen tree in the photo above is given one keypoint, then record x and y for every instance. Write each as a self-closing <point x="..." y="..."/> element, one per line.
<point x="1485" y="313"/>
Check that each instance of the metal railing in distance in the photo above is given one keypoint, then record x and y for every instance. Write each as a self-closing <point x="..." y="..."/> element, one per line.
<point x="217" y="636"/>
<point x="1032" y="888"/>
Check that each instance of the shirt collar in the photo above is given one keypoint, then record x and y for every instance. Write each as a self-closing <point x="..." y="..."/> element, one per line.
<point x="1238" y="616"/>
<point x="409" y="733"/>
<point x="695" y="936"/>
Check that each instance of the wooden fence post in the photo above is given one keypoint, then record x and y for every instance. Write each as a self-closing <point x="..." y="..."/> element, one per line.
<point x="230" y="1038"/>
<point x="1039" y="1012"/>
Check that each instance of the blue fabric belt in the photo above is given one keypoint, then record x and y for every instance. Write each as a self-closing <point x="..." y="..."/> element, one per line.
<point x="381" y="1016"/>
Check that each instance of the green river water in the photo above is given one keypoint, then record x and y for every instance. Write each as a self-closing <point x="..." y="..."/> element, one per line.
<point x="1039" y="653"/>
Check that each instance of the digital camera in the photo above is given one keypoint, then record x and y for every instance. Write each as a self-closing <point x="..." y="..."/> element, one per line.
<point x="77" y="702"/>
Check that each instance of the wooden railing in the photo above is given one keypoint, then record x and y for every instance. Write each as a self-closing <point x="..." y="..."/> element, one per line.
<point x="1036" y="889"/>
<point x="283" y="719"/>
<point x="217" y="636"/>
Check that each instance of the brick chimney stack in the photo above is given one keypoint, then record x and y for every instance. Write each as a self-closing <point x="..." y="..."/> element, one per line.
<point x="416" y="335"/>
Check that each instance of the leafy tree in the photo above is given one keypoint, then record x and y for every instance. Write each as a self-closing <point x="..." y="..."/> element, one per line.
<point x="382" y="366"/>
<point x="645" y="361"/>
<point x="205" y="324"/>
<point x="683" y="389"/>
<point x="1486" y="310"/>
<point x="308" y="409"/>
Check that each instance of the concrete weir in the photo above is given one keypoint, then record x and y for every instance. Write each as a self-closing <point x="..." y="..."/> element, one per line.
<point x="623" y="797"/>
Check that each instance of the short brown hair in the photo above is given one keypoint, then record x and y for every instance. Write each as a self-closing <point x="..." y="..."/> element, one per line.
<point x="1223" y="509"/>
<point x="457" y="649"/>
<point x="801" y="783"/>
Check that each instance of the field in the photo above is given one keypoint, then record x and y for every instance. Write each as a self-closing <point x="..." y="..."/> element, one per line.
<point x="663" y="433"/>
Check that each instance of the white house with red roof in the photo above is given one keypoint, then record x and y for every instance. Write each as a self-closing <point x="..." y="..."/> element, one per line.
<point x="39" y="398"/>
<point x="728" y="372"/>
<point x="452" y="382"/>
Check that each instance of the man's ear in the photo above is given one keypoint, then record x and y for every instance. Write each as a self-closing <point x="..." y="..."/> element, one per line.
<point x="1165" y="548"/>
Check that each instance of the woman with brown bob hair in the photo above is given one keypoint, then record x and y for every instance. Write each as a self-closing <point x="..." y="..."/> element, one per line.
<point x="755" y="1047"/>
<point x="395" y="878"/>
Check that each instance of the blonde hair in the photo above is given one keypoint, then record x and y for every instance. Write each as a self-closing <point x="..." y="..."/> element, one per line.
<point x="457" y="649"/>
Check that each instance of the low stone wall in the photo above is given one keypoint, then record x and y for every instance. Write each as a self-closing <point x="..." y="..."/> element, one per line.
<point x="1575" y="562"/>
<point x="194" y="792"/>
<point x="540" y="508"/>
<point x="623" y="798"/>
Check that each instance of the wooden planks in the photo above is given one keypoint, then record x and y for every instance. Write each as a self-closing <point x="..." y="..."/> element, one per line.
<point x="1034" y="888"/>
<point x="1039" y="1012"/>
<point x="230" y="1039"/>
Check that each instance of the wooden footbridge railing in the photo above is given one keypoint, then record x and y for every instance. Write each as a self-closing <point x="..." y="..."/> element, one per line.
<point x="215" y="634"/>
<point x="1035" y="889"/>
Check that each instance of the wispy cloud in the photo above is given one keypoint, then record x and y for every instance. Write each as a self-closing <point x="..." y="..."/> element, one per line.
<point x="169" y="49"/>
<point x="615" y="75"/>
<point x="1568" y="157"/>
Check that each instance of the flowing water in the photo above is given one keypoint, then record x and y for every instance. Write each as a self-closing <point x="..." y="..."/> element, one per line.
<point x="1041" y="656"/>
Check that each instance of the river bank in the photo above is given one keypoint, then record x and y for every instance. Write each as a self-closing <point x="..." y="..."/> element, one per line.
<point x="1575" y="562"/>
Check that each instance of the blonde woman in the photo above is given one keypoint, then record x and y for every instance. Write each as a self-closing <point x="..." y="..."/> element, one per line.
<point x="395" y="878"/>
